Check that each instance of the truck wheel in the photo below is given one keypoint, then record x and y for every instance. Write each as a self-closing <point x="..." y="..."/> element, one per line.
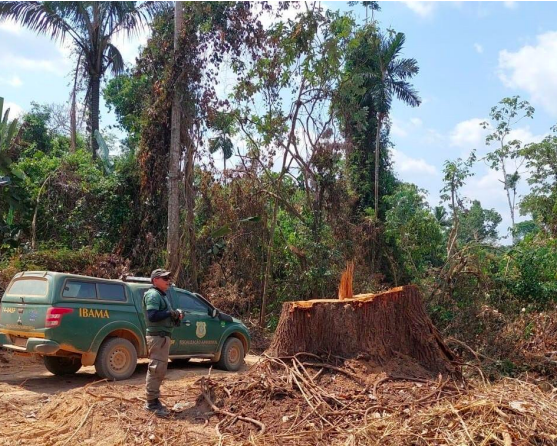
<point x="232" y="355"/>
<point x="60" y="365"/>
<point x="116" y="360"/>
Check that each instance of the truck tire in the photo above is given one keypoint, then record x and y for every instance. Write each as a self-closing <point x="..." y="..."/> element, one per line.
<point x="116" y="360"/>
<point x="61" y="365"/>
<point x="232" y="355"/>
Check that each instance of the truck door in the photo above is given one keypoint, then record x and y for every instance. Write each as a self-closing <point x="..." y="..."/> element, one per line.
<point x="199" y="333"/>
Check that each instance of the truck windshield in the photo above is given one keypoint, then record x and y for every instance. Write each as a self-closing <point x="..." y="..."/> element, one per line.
<point x="28" y="287"/>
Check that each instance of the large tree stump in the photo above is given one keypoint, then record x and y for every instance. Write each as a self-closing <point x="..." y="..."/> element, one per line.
<point x="387" y="328"/>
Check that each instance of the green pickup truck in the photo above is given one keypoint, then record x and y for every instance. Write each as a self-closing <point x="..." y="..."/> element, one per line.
<point x="73" y="321"/>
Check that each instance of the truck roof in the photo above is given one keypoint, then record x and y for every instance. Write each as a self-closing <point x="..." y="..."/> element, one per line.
<point x="134" y="281"/>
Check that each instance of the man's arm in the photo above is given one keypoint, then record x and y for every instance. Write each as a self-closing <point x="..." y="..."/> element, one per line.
<point x="152" y="306"/>
<point x="157" y="315"/>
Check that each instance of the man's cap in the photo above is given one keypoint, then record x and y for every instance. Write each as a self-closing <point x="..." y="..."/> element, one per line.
<point x="159" y="272"/>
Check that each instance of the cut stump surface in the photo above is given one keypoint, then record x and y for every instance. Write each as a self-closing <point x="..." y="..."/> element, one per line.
<point x="391" y="330"/>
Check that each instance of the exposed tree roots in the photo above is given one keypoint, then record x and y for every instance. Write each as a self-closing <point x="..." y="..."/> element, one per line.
<point x="286" y="401"/>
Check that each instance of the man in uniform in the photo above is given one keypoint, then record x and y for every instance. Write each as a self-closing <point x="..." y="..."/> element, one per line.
<point x="160" y="319"/>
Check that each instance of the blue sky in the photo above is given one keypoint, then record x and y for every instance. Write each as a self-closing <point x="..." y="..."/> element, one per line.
<point x="471" y="55"/>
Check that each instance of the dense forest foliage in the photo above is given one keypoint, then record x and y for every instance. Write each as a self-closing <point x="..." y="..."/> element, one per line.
<point x="307" y="182"/>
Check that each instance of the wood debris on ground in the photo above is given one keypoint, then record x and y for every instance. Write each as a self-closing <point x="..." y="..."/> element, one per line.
<point x="303" y="401"/>
<point x="299" y="400"/>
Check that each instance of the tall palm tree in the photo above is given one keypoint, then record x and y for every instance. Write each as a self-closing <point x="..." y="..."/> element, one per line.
<point x="388" y="79"/>
<point x="90" y="26"/>
<point x="9" y="131"/>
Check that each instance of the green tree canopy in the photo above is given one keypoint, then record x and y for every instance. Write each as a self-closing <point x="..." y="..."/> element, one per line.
<point x="90" y="26"/>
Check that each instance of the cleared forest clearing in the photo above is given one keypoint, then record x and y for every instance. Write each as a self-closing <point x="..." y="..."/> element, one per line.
<point x="296" y="402"/>
<point x="403" y="387"/>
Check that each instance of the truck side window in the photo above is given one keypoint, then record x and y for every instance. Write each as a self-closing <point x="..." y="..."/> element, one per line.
<point x="108" y="291"/>
<point x="190" y="303"/>
<point x="79" y="290"/>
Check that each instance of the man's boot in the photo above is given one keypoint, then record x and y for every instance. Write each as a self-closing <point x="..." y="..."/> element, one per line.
<point x="156" y="407"/>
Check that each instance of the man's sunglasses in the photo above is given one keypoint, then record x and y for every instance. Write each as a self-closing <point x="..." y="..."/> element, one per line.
<point x="166" y="279"/>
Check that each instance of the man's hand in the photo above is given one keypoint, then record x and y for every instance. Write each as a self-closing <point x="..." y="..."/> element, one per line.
<point x="176" y="317"/>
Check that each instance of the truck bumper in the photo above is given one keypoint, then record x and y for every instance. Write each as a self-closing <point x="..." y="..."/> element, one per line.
<point x="35" y="345"/>
<point x="4" y="339"/>
<point x="42" y="346"/>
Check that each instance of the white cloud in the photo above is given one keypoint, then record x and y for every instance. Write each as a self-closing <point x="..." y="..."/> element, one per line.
<point x="408" y="165"/>
<point x="417" y="122"/>
<point x="59" y="67"/>
<point x="511" y="5"/>
<point x="533" y="68"/>
<point x="423" y="9"/>
<point x="15" y="110"/>
<point x="487" y="188"/>
<point x="14" y="81"/>
<point x="401" y="129"/>
<point x="10" y="26"/>
<point x="269" y="18"/>
<point x="468" y="134"/>
<point x="397" y="129"/>
<point x="432" y="137"/>
<point x="479" y="48"/>
<point x="525" y="135"/>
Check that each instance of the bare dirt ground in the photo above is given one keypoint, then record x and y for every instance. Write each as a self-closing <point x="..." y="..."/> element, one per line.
<point x="272" y="402"/>
<point x="38" y="408"/>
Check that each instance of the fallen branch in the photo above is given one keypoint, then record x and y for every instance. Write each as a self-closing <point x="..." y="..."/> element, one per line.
<point x="337" y="369"/>
<point x="476" y="354"/>
<point x="205" y="391"/>
<point x="80" y="425"/>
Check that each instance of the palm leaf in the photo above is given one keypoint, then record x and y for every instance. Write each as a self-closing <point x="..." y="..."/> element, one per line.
<point x="18" y="173"/>
<point x="403" y="68"/>
<point x="7" y="129"/>
<point x="405" y="92"/>
<point x="221" y="143"/>
<point x="103" y="151"/>
<point x="12" y="129"/>
<point x="50" y="18"/>
<point x="391" y="48"/>
<point x="126" y="16"/>
<point x="115" y="60"/>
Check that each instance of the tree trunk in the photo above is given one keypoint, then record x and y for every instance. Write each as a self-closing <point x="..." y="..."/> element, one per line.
<point x="377" y="159"/>
<point x="390" y="329"/>
<point x="190" y="216"/>
<point x="95" y="97"/>
<point x="34" y="221"/>
<point x="73" y="111"/>
<point x="173" y="237"/>
<point x="511" y="205"/>
<point x="267" y="277"/>
<point x="73" y="124"/>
